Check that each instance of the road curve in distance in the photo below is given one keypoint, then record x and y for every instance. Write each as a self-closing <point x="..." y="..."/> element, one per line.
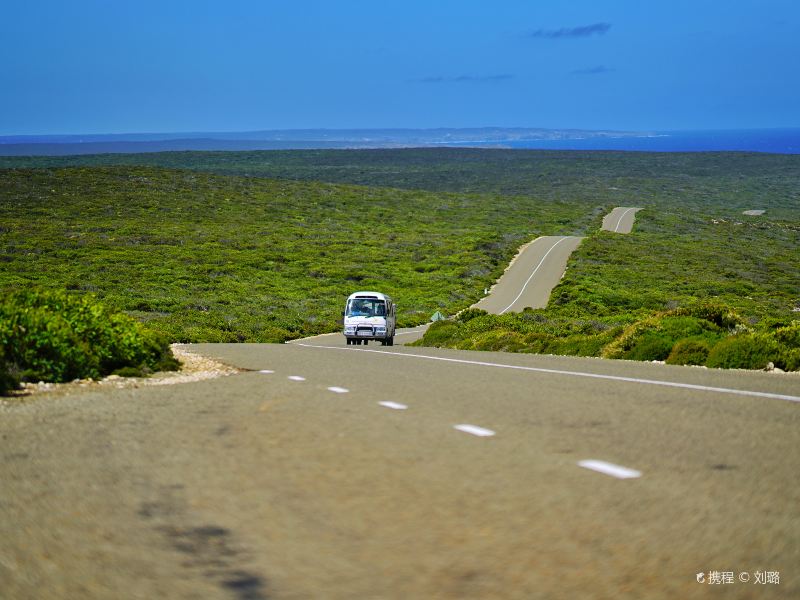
<point x="620" y="220"/>
<point x="531" y="277"/>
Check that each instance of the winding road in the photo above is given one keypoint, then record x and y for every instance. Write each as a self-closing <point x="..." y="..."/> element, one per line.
<point x="338" y="472"/>
<point x="539" y="266"/>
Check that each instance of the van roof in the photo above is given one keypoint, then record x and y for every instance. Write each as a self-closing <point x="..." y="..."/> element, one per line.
<point x="376" y="295"/>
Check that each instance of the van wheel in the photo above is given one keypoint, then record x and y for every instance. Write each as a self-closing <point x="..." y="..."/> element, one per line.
<point x="349" y="341"/>
<point x="390" y="341"/>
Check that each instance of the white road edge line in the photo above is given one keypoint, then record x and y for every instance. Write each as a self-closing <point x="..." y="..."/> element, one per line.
<point x="393" y="405"/>
<point x="296" y="378"/>
<point x="474" y="430"/>
<point x="608" y="468"/>
<point x="338" y="390"/>
<point x="534" y="273"/>
<point x="313" y="337"/>
<point x="686" y="386"/>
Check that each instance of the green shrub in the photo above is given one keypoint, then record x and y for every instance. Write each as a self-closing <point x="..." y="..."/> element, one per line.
<point x="54" y="336"/>
<point x="585" y="345"/>
<point x="650" y="346"/>
<point x="745" y="351"/>
<point x="789" y="335"/>
<point x="538" y="343"/>
<point x="689" y="352"/>
<point x="440" y="333"/>
<point x="469" y="314"/>
<point x="508" y="341"/>
<point x="8" y="376"/>
<point x="791" y="360"/>
<point x="719" y="314"/>
<point x="619" y="347"/>
<point x="655" y="336"/>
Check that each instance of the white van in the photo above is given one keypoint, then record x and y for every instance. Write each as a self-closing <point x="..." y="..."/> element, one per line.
<point x="369" y="316"/>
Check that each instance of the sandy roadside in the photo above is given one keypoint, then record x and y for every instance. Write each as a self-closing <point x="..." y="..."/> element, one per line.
<point x="193" y="368"/>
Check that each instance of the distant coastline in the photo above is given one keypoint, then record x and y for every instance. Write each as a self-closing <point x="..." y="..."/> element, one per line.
<point x="777" y="141"/>
<point x="772" y="141"/>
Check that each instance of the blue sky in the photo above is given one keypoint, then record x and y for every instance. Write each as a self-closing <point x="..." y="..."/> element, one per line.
<point x="113" y="66"/>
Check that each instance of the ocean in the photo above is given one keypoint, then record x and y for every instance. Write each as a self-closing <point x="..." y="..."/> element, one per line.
<point x="777" y="141"/>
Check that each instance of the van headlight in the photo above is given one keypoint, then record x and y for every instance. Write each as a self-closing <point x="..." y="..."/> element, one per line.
<point x="350" y="329"/>
<point x="379" y="330"/>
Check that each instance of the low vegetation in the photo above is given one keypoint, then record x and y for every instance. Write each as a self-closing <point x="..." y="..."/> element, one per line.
<point x="682" y="288"/>
<point x="715" y="183"/>
<point x="204" y="258"/>
<point x="54" y="336"/>
<point x="702" y="334"/>
<point x="196" y="246"/>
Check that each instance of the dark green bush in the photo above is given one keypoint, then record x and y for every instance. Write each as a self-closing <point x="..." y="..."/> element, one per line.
<point x="469" y="314"/>
<point x="500" y="340"/>
<point x="585" y="345"/>
<point x="791" y="360"/>
<point x="57" y="337"/>
<point x="745" y="351"/>
<point x="539" y="343"/>
<point x="440" y="333"/>
<point x="789" y="335"/>
<point x="655" y="336"/>
<point x="720" y="315"/>
<point x="689" y="352"/>
<point x="650" y="346"/>
<point x="8" y="376"/>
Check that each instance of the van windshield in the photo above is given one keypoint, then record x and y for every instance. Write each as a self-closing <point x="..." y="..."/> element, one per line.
<point x="366" y="307"/>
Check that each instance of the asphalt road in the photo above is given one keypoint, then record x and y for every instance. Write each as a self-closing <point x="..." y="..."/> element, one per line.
<point x="531" y="277"/>
<point x="539" y="266"/>
<point x="621" y="219"/>
<point x="328" y="471"/>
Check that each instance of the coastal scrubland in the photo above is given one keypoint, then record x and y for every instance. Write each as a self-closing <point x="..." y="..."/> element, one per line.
<point x="202" y="257"/>
<point x="264" y="246"/>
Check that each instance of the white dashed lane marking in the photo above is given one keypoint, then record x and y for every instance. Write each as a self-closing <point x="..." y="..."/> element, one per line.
<point x="266" y="371"/>
<point x="394" y="405"/>
<point x="296" y="378"/>
<point x="338" y="390"/>
<point x="610" y="469"/>
<point x="474" y="430"/>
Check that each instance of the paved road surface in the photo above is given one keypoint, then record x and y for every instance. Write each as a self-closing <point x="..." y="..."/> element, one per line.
<point x="281" y="484"/>
<point x="539" y="266"/>
<point x="532" y="276"/>
<point x="620" y="220"/>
